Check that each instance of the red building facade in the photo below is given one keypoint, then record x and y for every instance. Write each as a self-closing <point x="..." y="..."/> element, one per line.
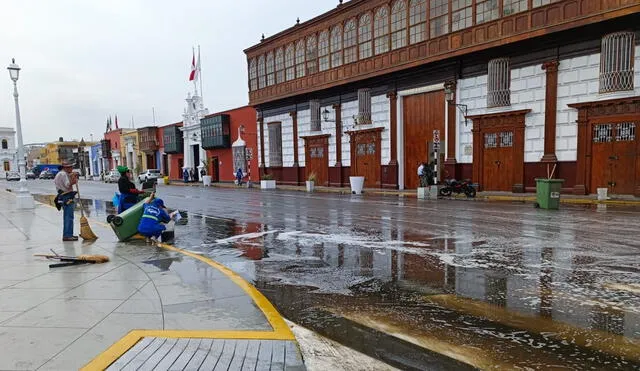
<point x="112" y="141"/>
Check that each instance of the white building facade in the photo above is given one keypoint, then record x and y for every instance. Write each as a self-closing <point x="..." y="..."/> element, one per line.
<point x="194" y="154"/>
<point x="8" y="151"/>
<point x="500" y="113"/>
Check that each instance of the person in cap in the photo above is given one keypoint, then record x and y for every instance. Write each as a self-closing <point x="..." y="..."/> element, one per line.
<point x="64" y="181"/>
<point x="154" y="215"/>
<point x="127" y="189"/>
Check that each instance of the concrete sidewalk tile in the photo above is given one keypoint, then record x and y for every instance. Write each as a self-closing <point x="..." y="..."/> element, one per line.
<point x="105" y="290"/>
<point x="222" y="314"/>
<point x="29" y="348"/>
<point x="23" y="272"/>
<point x="7" y="315"/>
<point x="8" y="283"/>
<point x="57" y="280"/>
<point x="13" y="300"/>
<point x="75" y="313"/>
<point x="139" y="306"/>
<point x="116" y="325"/>
<point x="125" y="272"/>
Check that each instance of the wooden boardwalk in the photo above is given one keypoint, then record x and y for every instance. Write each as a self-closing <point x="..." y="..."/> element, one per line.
<point x="157" y="353"/>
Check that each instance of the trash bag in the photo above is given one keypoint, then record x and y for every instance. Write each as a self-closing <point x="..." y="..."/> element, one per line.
<point x="116" y="200"/>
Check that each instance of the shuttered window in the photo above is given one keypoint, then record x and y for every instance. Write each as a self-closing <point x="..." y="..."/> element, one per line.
<point x="617" y="62"/>
<point x="275" y="144"/>
<point x="314" y="107"/>
<point x="499" y="83"/>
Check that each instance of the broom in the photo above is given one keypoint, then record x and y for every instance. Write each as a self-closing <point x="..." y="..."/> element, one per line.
<point x="85" y="230"/>
<point x="75" y="260"/>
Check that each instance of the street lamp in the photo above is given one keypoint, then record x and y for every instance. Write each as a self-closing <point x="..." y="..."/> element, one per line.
<point x="25" y="200"/>
<point x="449" y="96"/>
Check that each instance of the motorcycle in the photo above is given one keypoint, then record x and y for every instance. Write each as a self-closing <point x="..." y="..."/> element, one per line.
<point x="454" y="186"/>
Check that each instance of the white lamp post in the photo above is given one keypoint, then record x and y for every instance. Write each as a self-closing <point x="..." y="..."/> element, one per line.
<point x="25" y="200"/>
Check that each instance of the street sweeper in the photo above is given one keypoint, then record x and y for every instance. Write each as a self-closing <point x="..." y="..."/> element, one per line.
<point x="154" y="218"/>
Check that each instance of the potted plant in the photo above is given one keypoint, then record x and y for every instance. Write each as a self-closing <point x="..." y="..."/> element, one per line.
<point x="311" y="181"/>
<point x="206" y="178"/>
<point x="267" y="182"/>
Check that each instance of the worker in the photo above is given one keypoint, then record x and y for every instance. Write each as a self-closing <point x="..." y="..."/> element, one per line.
<point x="128" y="191"/>
<point x="153" y="219"/>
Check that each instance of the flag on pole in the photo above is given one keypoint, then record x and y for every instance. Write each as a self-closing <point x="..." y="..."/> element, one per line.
<point x="194" y="69"/>
<point x="117" y="122"/>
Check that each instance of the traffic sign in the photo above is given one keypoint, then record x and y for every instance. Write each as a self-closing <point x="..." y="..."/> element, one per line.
<point x="436" y="136"/>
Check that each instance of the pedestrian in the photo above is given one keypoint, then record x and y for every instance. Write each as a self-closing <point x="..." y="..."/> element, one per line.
<point x="429" y="173"/>
<point x="421" y="175"/>
<point x="128" y="191"/>
<point x="154" y="216"/>
<point x="64" y="181"/>
<point x="185" y="175"/>
<point x="239" y="176"/>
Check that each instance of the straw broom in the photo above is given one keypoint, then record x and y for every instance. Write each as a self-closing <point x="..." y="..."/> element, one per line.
<point x="85" y="230"/>
<point x="92" y="259"/>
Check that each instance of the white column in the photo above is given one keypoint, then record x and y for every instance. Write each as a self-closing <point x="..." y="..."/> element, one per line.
<point x="25" y="200"/>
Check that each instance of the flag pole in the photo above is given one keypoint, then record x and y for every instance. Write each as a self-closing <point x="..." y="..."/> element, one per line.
<point x="200" y="75"/>
<point x="195" y="82"/>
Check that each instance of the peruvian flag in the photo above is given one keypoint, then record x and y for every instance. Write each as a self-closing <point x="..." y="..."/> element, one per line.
<point x="195" y="67"/>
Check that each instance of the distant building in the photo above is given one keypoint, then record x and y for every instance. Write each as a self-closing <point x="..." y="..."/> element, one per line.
<point x="171" y="149"/>
<point x="8" y="149"/>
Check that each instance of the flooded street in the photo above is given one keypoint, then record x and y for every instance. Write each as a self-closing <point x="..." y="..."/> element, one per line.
<point x="427" y="285"/>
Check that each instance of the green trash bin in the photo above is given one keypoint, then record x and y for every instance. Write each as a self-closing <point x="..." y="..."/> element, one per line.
<point x="548" y="193"/>
<point x="125" y="224"/>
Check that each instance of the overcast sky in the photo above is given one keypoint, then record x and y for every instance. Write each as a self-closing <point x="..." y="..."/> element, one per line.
<point x="83" y="60"/>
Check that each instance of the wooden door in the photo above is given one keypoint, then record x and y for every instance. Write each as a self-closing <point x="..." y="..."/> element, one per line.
<point x="317" y="158"/>
<point x="614" y="153"/>
<point x="497" y="161"/>
<point x="365" y="155"/>
<point x="422" y="114"/>
<point x="215" y="174"/>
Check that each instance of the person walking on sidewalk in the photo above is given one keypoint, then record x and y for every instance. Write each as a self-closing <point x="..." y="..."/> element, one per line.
<point x="239" y="176"/>
<point x="64" y="181"/>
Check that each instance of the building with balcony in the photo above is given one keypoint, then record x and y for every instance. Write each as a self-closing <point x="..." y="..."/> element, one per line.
<point x="150" y="146"/>
<point x="502" y="89"/>
<point x="130" y="149"/>
<point x="8" y="150"/>
<point x="218" y="131"/>
<point x="172" y="148"/>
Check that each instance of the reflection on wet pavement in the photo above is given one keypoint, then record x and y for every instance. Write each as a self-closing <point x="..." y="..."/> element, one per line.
<point x="493" y="286"/>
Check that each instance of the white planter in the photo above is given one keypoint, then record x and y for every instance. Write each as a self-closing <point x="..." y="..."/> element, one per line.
<point x="206" y="180"/>
<point x="428" y="193"/>
<point x="267" y="184"/>
<point x="602" y="194"/>
<point x="357" y="183"/>
<point x="310" y="185"/>
<point x="96" y="178"/>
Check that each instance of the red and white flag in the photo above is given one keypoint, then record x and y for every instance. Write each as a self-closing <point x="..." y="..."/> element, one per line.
<point x="195" y="68"/>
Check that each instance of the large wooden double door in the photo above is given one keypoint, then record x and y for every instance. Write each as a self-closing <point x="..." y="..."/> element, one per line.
<point x="497" y="161"/>
<point x="422" y="114"/>
<point x="316" y="155"/>
<point x="614" y="154"/>
<point x="365" y="155"/>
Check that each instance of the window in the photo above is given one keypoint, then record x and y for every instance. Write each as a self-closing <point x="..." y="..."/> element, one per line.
<point x="364" y="106"/>
<point x="279" y="66"/>
<point x="312" y="55"/>
<point x="616" y="62"/>
<point x="513" y="6"/>
<point x="381" y="31"/>
<point x="439" y="17"/>
<point x="365" y="36"/>
<point x="275" y="144"/>
<point x="314" y="107"/>
<point x="537" y="3"/>
<point x="506" y="139"/>
<point x="253" y="75"/>
<point x="602" y="133"/>
<point x="270" y="70"/>
<point x="350" y="42"/>
<point x="336" y="46"/>
<point x="462" y="15"/>
<point x="261" y="72"/>
<point x="300" y="50"/>
<point x="399" y="25"/>
<point x="417" y="21"/>
<point x="5" y="144"/>
<point x="289" y="62"/>
<point x="491" y="140"/>
<point x="323" y="51"/>
<point x="499" y="83"/>
<point x="486" y="10"/>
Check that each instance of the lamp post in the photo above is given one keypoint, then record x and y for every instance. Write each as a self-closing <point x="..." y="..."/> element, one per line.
<point x="81" y="156"/>
<point x="25" y="200"/>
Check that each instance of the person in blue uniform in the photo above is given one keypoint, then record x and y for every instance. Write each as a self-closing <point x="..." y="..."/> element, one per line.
<point x="153" y="219"/>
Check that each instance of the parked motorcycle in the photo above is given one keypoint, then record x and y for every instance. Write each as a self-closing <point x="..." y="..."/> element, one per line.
<point x="455" y="186"/>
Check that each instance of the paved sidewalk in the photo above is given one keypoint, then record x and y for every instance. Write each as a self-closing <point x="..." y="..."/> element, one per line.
<point x="149" y="307"/>
<point x="481" y="196"/>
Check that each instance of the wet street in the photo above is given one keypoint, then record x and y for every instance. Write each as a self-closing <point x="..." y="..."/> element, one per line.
<point x="424" y="284"/>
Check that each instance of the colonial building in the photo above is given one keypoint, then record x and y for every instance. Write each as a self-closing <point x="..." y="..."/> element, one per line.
<point x="195" y="111"/>
<point x="8" y="150"/>
<point x="505" y="90"/>
<point x="171" y="148"/>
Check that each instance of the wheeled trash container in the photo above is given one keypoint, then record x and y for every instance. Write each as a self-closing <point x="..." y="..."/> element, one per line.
<point x="548" y="193"/>
<point x="125" y="224"/>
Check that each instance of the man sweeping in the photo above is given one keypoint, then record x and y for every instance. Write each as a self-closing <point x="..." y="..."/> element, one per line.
<point x="153" y="219"/>
<point x="64" y="181"/>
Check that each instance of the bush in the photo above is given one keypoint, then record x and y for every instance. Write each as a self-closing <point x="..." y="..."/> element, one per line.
<point x="312" y="177"/>
<point x="267" y="177"/>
